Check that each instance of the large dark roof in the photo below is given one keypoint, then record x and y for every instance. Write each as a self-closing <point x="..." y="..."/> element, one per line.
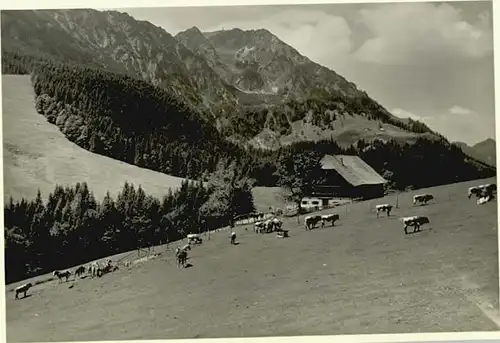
<point x="353" y="169"/>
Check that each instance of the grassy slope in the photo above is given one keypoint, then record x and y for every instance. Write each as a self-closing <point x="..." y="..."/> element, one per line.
<point x="37" y="155"/>
<point x="362" y="276"/>
<point x="347" y="130"/>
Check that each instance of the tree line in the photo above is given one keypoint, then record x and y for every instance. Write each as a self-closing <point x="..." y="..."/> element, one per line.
<point x="72" y="227"/>
<point x="424" y="163"/>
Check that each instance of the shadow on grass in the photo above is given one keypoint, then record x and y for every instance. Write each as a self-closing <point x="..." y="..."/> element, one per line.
<point x="420" y="231"/>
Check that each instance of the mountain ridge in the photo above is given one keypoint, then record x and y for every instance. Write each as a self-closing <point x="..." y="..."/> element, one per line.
<point x="129" y="59"/>
<point x="258" y="62"/>
<point x="484" y="151"/>
<point x="229" y="75"/>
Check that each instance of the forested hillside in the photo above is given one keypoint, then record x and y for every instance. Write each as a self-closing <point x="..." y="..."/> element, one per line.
<point x="136" y="122"/>
<point x="252" y="87"/>
<point x="72" y="227"/>
<point x="127" y="119"/>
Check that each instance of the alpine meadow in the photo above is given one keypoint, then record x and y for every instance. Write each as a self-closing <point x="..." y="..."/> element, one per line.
<point x="172" y="174"/>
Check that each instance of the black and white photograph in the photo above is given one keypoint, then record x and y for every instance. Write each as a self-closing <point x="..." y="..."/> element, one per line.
<point x="249" y="170"/>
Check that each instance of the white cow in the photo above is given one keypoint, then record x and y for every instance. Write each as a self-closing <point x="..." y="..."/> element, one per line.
<point x="194" y="238"/>
<point x="277" y="223"/>
<point x="332" y="218"/>
<point x="415" y="221"/>
<point x="483" y="200"/>
<point x="23" y="289"/>
<point x="384" y="208"/>
<point x="482" y="190"/>
<point x="259" y="226"/>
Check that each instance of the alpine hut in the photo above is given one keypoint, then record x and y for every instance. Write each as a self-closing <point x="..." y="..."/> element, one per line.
<point x="348" y="176"/>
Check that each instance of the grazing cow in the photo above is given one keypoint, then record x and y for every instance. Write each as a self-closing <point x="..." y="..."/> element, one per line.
<point x="415" y="221"/>
<point x="194" y="239"/>
<point x="422" y="198"/>
<point x="62" y="274"/>
<point x="269" y="225"/>
<point x="180" y="250"/>
<point x="233" y="238"/>
<point x="264" y="226"/>
<point x="483" y="190"/>
<point x="311" y="221"/>
<point x="489" y="189"/>
<point x="277" y="223"/>
<point x="80" y="271"/>
<point x="384" y="208"/>
<point x="95" y="270"/>
<point x="259" y="226"/>
<point x="329" y="218"/>
<point x="185" y="247"/>
<point x="23" y="289"/>
<point x="476" y="190"/>
<point x="108" y="268"/>
<point x="181" y="256"/>
<point x="484" y="200"/>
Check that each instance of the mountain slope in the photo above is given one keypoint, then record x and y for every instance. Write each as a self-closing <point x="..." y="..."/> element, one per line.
<point x="253" y="87"/>
<point x="288" y="97"/>
<point x="128" y="107"/>
<point x="484" y="151"/>
<point x="37" y="155"/>
<point x="116" y="41"/>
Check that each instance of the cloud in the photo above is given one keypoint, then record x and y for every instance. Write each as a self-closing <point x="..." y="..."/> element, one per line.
<point x="461" y="111"/>
<point x="423" y="33"/>
<point x="398" y="112"/>
<point x="457" y="123"/>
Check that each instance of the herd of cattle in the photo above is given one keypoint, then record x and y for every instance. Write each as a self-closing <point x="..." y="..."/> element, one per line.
<point x="95" y="269"/>
<point x="484" y="193"/>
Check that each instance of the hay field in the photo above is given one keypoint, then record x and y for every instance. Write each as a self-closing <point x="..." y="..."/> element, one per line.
<point x="361" y="276"/>
<point x="37" y="155"/>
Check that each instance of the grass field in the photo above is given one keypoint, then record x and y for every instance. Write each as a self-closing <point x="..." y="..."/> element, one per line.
<point x="37" y="155"/>
<point x="361" y="276"/>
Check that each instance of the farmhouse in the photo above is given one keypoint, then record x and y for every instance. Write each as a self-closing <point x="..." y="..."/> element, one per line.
<point x="347" y="176"/>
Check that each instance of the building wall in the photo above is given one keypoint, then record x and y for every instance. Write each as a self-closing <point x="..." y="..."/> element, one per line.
<point x="335" y="185"/>
<point x="369" y="191"/>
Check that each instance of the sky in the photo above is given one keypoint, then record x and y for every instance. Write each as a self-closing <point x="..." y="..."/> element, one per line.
<point x="429" y="61"/>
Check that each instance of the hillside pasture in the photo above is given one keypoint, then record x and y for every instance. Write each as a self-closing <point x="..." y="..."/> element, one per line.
<point x="269" y="197"/>
<point x="362" y="276"/>
<point x="345" y="130"/>
<point x="38" y="155"/>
